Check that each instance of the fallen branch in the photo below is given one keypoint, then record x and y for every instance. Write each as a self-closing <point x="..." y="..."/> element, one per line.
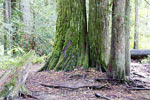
<point x="100" y="96"/>
<point x="16" y="77"/>
<point x="135" y="88"/>
<point x="147" y="2"/>
<point x="139" y="75"/>
<point x="74" y="88"/>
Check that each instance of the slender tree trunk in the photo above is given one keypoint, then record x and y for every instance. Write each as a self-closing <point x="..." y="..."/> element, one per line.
<point x="116" y="67"/>
<point x="28" y="26"/>
<point x="127" y="38"/>
<point x="136" y="34"/>
<point x="14" y="26"/>
<point x="70" y="46"/>
<point x="7" y="21"/>
<point x="98" y="29"/>
<point x="26" y="15"/>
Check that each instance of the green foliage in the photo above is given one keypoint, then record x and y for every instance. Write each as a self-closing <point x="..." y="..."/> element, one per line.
<point x="39" y="59"/>
<point x="8" y="87"/>
<point x="144" y="24"/>
<point x="7" y="61"/>
<point x="44" y="16"/>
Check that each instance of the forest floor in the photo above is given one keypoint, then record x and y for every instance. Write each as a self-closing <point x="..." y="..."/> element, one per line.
<point x="87" y="85"/>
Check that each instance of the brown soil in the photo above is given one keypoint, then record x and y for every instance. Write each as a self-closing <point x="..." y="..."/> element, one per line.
<point x="140" y="74"/>
<point x="65" y="85"/>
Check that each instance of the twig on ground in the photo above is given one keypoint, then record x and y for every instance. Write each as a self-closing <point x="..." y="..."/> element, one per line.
<point x="100" y="96"/>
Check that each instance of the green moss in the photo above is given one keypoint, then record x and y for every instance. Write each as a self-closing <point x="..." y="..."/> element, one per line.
<point x="98" y="33"/>
<point x="13" y="81"/>
<point x="8" y="87"/>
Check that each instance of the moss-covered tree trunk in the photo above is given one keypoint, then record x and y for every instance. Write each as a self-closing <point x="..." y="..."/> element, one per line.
<point x="98" y="29"/>
<point x="117" y="58"/>
<point x="70" y="46"/>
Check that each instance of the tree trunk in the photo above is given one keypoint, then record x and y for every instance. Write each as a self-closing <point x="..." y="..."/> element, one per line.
<point x="116" y="67"/>
<point x="26" y="15"/>
<point x="28" y="25"/>
<point x="98" y="29"/>
<point x="7" y="26"/>
<point x="127" y="38"/>
<point x="136" y="34"/>
<point x="70" y="46"/>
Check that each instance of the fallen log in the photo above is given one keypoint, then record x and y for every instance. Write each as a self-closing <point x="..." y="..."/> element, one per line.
<point x="13" y="81"/>
<point x="139" y="54"/>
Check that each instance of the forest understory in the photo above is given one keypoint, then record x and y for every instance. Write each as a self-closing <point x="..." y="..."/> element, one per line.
<point x="86" y="85"/>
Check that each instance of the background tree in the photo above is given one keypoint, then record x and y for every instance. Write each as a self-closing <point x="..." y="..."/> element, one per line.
<point x="127" y="38"/>
<point x="7" y="24"/>
<point x="136" y="34"/>
<point x="28" y="26"/>
<point x="116" y="67"/>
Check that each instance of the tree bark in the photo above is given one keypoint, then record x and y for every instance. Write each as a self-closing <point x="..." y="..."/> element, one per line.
<point x="127" y="38"/>
<point x="136" y="34"/>
<point x="98" y="29"/>
<point x="70" y="46"/>
<point x="116" y="67"/>
<point x="26" y="15"/>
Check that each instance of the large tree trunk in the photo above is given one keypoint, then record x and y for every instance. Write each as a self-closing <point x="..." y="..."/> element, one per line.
<point x="136" y="34"/>
<point x="98" y="29"/>
<point x="70" y="46"/>
<point x="117" y="58"/>
<point x="7" y="26"/>
<point x="127" y="38"/>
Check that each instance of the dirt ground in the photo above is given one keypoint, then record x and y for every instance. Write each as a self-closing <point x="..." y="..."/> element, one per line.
<point x="82" y="85"/>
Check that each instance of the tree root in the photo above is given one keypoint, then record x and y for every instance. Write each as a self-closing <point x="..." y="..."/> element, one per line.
<point x="75" y="88"/>
<point x="136" y="88"/>
<point x="100" y="96"/>
<point x="108" y="79"/>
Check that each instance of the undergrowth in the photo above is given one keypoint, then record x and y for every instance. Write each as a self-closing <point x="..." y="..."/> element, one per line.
<point x="7" y="61"/>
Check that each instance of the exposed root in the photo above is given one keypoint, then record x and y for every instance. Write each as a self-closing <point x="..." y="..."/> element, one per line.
<point x="97" y="87"/>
